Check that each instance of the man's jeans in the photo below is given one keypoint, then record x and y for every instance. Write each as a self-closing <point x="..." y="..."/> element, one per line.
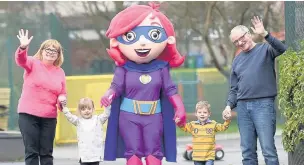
<point x="257" y="118"/>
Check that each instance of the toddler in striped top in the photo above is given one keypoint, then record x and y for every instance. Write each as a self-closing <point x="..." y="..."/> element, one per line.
<point x="203" y="131"/>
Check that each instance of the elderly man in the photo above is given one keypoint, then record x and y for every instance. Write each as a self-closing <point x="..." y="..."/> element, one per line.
<point x="253" y="91"/>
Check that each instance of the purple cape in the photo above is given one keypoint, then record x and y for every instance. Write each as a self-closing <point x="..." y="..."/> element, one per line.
<point x="114" y="145"/>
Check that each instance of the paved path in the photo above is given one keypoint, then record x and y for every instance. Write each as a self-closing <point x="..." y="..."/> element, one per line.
<point x="67" y="155"/>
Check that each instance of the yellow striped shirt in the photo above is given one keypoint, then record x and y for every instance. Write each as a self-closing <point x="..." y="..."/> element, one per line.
<point x="204" y="138"/>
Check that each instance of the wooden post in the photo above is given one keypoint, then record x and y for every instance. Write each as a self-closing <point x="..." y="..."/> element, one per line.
<point x="180" y="89"/>
<point x="12" y="118"/>
<point x="200" y="91"/>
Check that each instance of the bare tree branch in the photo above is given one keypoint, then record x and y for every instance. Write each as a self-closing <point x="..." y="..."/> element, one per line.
<point x="205" y="34"/>
<point x="208" y="42"/>
<point x="266" y="14"/>
<point x="242" y="19"/>
<point x="208" y="17"/>
<point x="221" y="14"/>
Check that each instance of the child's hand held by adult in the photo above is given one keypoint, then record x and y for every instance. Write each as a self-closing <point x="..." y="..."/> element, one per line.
<point x="62" y="100"/>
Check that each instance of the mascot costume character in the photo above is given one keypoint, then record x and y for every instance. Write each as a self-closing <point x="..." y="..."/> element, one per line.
<point x="144" y="99"/>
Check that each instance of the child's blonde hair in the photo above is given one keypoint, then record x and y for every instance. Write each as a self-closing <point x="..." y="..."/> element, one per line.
<point x="85" y="103"/>
<point x="202" y="104"/>
<point x="48" y="43"/>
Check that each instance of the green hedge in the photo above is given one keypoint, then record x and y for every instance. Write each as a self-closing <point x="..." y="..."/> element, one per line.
<point x="291" y="97"/>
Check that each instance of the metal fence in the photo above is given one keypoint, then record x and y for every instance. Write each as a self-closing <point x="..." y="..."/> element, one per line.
<point x="294" y="23"/>
<point x="196" y="84"/>
<point x="43" y="27"/>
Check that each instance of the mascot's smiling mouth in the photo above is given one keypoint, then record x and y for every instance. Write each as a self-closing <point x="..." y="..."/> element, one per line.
<point x="142" y="52"/>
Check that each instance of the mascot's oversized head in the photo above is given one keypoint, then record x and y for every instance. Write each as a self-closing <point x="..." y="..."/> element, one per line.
<point x="141" y="34"/>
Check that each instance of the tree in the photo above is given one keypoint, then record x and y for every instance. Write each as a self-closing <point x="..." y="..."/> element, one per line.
<point x="212" y="21"/>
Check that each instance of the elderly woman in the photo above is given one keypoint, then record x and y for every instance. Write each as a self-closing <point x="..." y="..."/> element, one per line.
<point x="44" y="82"/>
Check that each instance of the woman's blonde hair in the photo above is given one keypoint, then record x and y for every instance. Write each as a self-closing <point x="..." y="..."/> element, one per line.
<point x="202" y="104"/>
<point x="85" y="103"/>
<point x="48" y="43"/>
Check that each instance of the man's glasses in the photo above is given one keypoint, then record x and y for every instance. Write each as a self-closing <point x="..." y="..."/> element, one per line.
<point x="236" y="42"/>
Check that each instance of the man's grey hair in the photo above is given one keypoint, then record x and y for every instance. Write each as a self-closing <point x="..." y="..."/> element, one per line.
<point x="239" y="28"/>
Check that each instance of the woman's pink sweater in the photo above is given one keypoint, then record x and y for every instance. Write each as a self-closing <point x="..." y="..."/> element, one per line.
<point x="41" y="86"/>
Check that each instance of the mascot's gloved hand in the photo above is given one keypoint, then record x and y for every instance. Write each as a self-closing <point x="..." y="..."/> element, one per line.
<point x="179" y="108"/>
<point x="107" y="98"/>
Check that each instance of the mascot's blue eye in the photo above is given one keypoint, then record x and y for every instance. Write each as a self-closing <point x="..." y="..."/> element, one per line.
<point x="130" y="36"/>
<point x="155" y="34"/>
